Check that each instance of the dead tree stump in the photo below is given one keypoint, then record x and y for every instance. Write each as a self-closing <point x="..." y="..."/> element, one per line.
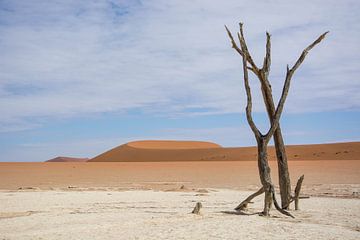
<point x="197" y="208"/>
<point x="297" y="192"/>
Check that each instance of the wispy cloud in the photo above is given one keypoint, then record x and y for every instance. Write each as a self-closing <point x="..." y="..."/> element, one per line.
<point x="69" y="58"/>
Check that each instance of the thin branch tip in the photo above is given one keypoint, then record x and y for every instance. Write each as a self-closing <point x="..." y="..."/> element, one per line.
<point x="322" y="36"/>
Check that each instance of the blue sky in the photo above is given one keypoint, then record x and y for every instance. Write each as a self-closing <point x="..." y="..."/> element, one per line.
<point x="80" y="77"/>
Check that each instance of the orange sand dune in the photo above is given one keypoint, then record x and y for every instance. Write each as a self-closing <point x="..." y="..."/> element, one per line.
<point x="67" y="159"/>
<point x="162" y="151"/>
<point x="168" y="144"/>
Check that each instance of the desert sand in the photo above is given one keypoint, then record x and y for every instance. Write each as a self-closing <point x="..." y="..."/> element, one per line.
<point x="150" y="151"/>
<point x="153" y="200"/>
<point x="322" y="178"/>
<point x="166" y="215"/>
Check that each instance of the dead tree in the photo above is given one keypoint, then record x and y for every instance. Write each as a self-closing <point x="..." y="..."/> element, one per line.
<point x="274" y="116"/>
<point x="263" y="74"/>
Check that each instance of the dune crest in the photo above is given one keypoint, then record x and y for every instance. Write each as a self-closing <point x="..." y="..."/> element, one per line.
<point x="172" y="151"/>
<point x="171" y="144"/>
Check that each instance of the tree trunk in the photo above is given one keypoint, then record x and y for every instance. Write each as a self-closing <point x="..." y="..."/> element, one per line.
<point x="265" y="177"/>
<point x="283" y="169"/>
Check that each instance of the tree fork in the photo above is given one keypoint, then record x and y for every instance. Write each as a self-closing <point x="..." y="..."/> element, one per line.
<point x="262" y="74"/>
<point x="283" y="169"/>
<point x="262" y="140"/>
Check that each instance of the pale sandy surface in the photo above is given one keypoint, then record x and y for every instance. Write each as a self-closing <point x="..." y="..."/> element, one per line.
<point x="165" y="215"/>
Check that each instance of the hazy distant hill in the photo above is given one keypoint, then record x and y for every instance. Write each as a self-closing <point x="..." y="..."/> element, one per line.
<point x="67" y="159"/>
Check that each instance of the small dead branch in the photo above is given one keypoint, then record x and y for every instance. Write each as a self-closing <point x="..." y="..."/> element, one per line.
<point x="304" y="197"/>
<point x="297" y="196"/>
<point x="283" y="211"/>
<point x="197" y="208"/>
<point x="243" y="204"/>
<point x="297" y="192"/>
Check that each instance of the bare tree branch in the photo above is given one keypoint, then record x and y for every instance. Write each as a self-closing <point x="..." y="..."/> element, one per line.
<point x="244" y="49"/>
<point x="243" y="204"/>
<point x="238" y="50"/>
<point x="267" y="59"/>
<point x="234" y="45"/>
<point x="251" y="69"/>
<point x="285" y="91"/>
<point x="263" y="76"/>
<point x="306" y="51"/>
<point x="283" y="211"/>
<point x="280" y="106"/>
<point x="249" y="118"/>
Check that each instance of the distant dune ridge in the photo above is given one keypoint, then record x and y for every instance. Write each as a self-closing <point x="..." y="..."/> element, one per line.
<point x="171" y="144"/>
<point x="68" y="159"/>
<point x="163" y="151"/>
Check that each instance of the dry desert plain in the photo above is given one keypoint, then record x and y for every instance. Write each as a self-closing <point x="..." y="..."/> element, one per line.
<point x="151" y="197"/>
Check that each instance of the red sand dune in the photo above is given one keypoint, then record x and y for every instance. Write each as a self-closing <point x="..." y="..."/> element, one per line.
<point x="68" y="159"/>
<point x="162" y="151"/>
<point x="170" y="144"/>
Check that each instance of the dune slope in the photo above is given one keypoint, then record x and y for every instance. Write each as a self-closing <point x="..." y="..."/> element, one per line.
<point x="150" y="151"/>
<point x="171" y="144"/>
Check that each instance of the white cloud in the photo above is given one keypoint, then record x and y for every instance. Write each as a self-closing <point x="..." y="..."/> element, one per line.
<point x="68" y="58"/>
